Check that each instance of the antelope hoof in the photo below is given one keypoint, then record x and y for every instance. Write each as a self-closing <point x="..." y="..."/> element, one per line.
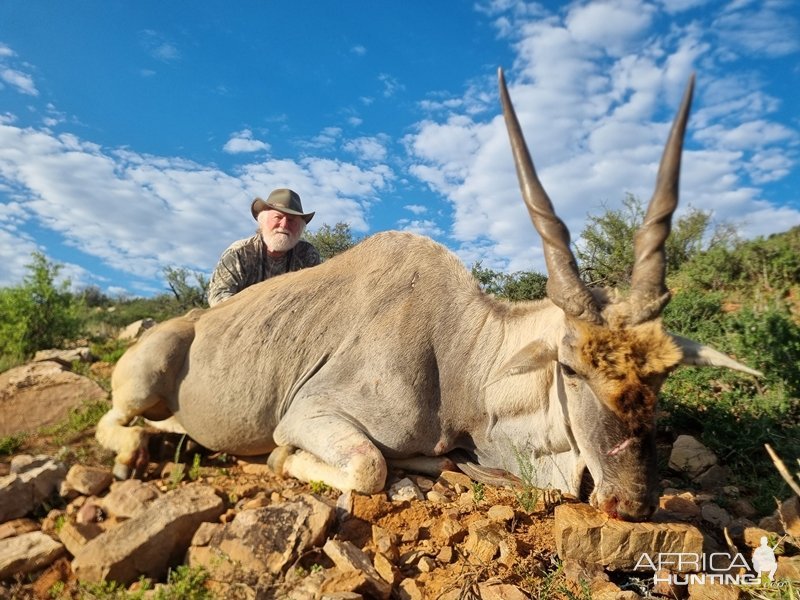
<point x="278" y="457"/>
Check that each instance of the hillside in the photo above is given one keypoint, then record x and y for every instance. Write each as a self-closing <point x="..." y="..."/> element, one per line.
<point x="743" y="299"/>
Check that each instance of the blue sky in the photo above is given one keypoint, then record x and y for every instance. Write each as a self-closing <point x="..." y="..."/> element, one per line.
<point x="134" y="135"/>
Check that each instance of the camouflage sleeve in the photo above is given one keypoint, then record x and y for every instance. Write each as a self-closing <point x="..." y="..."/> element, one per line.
<point x="306" y="255"/>
<point x="227" y="279"/>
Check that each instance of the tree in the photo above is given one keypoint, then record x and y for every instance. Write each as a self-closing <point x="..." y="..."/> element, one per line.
<point x="521" y="285"/>
<point x="39" y="313"/>
<point x="330" y="241"/>
<point x="188" y="295"/>
<point x="605" y="249"/>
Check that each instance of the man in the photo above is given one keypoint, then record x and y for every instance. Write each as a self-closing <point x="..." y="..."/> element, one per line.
<point x="274" y="250"/>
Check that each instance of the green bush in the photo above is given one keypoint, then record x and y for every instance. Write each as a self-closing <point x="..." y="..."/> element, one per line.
<point x="39" y="313"/>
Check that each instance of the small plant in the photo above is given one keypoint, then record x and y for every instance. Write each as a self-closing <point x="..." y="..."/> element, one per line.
<point x="77" y="422"/>
<point x="185" y="583"/>
<point x="179" y="472"/>
<point x="9" y="444"/>
<point x="319" y="487"/>
<point x="527" y="494"/>
<point x="194" y="470"/>
<point x="57" y="590"/>
<point x="478" y="491"/>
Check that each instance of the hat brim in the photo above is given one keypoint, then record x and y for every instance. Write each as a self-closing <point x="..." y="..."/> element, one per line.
<point x="260" y="205"/>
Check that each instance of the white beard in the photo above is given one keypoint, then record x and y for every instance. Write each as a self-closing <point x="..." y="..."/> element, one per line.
<point x="280" y="240"/>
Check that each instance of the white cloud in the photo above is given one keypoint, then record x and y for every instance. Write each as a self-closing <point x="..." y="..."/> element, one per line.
<point x="421" y="227"/>
<point x="243" y="142"/>
<point x="416" y="209"/>
<point x="138" y="213"/>
<point x="158" y="46"/>
<point x="391" y="86"/>
<point x="371" y="149"/>
<point x="596" y="120"/>
<point x="19" y="80"/>
<point x="612" y="25"/>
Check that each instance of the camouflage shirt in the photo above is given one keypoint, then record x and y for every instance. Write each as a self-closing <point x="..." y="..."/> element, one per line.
<point x="246" y="262"/>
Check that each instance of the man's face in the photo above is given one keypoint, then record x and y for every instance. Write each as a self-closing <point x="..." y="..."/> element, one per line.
<point x="281" y="231"/>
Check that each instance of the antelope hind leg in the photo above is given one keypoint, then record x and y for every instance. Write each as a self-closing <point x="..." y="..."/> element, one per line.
<point x="330" y="450"/>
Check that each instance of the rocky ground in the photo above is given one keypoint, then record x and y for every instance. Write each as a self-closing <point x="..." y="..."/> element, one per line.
<point x="65" y="525"/>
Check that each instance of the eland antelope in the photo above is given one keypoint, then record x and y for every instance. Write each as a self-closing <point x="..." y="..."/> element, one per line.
<point x="371" y="357"/>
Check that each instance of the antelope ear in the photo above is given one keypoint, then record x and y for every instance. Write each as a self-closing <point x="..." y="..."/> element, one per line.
<point x="535" y="355"/>
<point x="700" y="355"/>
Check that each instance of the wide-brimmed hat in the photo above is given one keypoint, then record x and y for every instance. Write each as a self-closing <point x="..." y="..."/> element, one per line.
<point x="283" y="199"/>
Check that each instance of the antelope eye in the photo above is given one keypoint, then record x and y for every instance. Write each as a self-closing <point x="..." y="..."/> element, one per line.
<point x="567" y="370"/>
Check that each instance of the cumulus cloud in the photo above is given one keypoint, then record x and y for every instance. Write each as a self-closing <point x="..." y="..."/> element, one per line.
<point x="141" y="212"/>
<point x="243" y="142"/>
<point x="371" y="149"/>
<point x="158" y="46"/>
<point x="22" y="82"/>
<point x="596" y="117"/>
<point x="421" y="227"/>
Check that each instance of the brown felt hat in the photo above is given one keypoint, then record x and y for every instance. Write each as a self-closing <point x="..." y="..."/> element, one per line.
<point x="283" y="200"/>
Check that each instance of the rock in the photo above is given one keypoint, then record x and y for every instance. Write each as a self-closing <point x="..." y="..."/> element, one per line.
<point x="22" y="492"/>
<point x="690" y="456"/>
<point x="405" y="489"/>
<point x="455" y="481"/>
<point x="584" y="534"/>
<point x="488" y="591"/>
<point x="75" y="536"/>
<point x="150" y="542"/>
<point x="27" y="553"/>
<point x="681" y="507"/>
<point x="17" y="527"/>
<point x="65" y="357"/>
<point x="136" y="329"/>
<point x="40" y="394"/>
<point x="386" y="569"/>
<point x="713" y="591"/>
<point x="448" y="532"/>
<point x="788" y="568"/>
<point x="714" y="514"/>
<point x="128" y="498"/>
<point x="348" y="557"/>
<point x="484" y="540"/>
<point x="409" y="590"/>
<point x="501" y="513"/>
<point x="714" y="478"/>
<point x="88" y="481"/>
<point x="743" y="508"/>
<point x="266" y="539"/>
<point x="789" y="513"/>
<point x="385" y="542"/>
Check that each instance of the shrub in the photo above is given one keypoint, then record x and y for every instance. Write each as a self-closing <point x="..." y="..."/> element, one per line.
<point x="39" y="313"/>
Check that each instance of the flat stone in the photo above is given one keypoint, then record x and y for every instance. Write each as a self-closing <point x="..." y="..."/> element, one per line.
<point x="17" y="527"/>
<point x="348" y="557"/>
<point x="484" y="540"/>
<point x="501" y="513"/>
<point x="89" y="481"/>
<point x="690" y="456"/>
<point x="584" y="534"/>
<point x="789" y="512"/>
<point x="403" y="490"/>
<point x="129" y="498"/>
<point x="27" y="553"/>
<point x="21" y="492"/>
<point x="150" y="542"/>
<point x="267" y="539"/>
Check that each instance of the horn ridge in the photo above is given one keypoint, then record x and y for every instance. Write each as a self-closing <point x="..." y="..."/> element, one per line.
<point x="564" y="286"/>
<point x="649" y="294"/>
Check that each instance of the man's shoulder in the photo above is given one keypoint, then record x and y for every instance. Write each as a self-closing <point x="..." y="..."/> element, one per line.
<point x="245" y="243"/>
<point x="307" y="253"/>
